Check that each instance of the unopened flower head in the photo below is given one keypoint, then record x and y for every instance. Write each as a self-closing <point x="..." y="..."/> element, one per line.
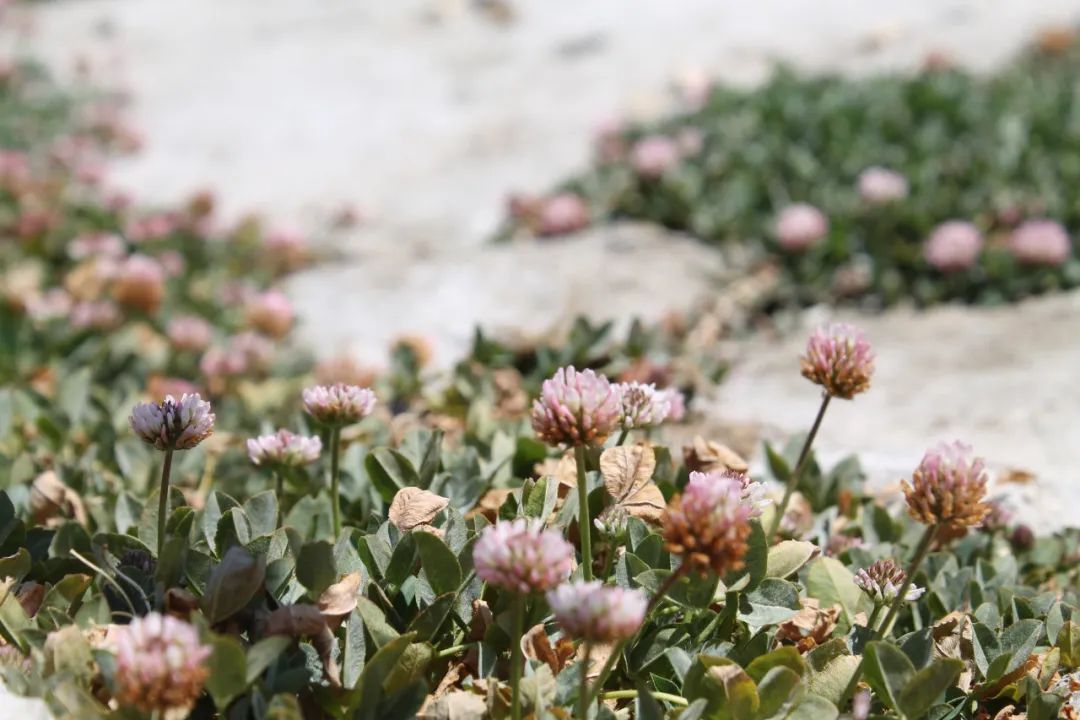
<point x="643" y="406"/>
<point x="839" y="358"/>
<point x="654" y="155"/>
<point x="160" y="663"/>
<point x="597" y="612"/>
<point x="953" y="246"/>
<point x="338" y="404"/>
<point x="708" y="524"/>
<point x="284" y="449"/>
<point x="173" y="424"/>
<point x="754" y="494"/>
<point x="948" y="487"/>
<point x="190" y="333"/>
<point x="139" y="283"/>
<point x="1041" y="242"/>
<point x="522" y="557"/>
<point x="878" y="185"/>
<point x="881" y="581"/>
<point x="800" y="226"/>
<point x="270" y="313"/>
<point x="576" y="408"/>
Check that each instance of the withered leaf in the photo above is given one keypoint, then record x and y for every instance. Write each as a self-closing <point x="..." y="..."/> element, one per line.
<point x="340" y="598"/>
<point x="49" y="496"/>
<point x="412" y="506"/>
<point x="456" y="705"/>
<point x="710" y="456"/>
<point x="307" y="621"/>
<point x="627" y="473"/>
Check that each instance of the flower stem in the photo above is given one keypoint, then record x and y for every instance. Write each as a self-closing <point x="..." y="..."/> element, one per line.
<point x="584" y="696"/>
<point x="279" y="490"/>
<point x="630" y="694"/>
<point x="921" y="551"/>
<point x="609" y="665"/>
<point x="516" y="658"/>
<point x="793" y="479"/>
<point x="163" y="502"/>
<point x="335" y="500"/>
<point x="873" y="616"/>
<point x="451" y="651"/>
<point x="622" y="436"/>
<point x="673" y="578"/>
<point x="584" y="524"/>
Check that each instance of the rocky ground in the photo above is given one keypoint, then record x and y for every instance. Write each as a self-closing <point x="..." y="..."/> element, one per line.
<point x="423" y="115"/>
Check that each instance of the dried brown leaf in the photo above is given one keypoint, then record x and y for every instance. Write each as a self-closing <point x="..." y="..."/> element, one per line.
<point x="489" y="503"/>
<point x="340" y="598"/>
<point x="412" y="506"/>
<point x="627" y="473"/>
<point x="536" y="646"/>
<point x="711" y="456"/>
<point x="563" y="469"/>
<point x="30" y="595"/>
<point x="49" y="497"/>
<point x="456" y="705"/>
<point x="307" y="621"/>
<point x="1017" y="476"/>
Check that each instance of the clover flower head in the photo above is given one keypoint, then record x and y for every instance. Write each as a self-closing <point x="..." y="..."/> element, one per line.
<point x="95" y="315"/>
<point x="561" y="214"/>
<point x="597" y="612"/>
<point x="173" y="424"/>
<point x="284" y="449"/>
<point x="839" y="359"/>
<point x="879" y="185"/>
<point x="522" y="557"/>
<point x="270" y="313"/>
<point x="1040" y="242"/>
<point x="953" y="246"/>
<point x="948" y="487"/>
<point x="190" y="333"/>
<point x="576" y="408"/>
<point x="881" y="581"/>
<point x="753" y="493"/>
<point x="708" y="524"/>
<point x="800" y="226"/>
<point x="643" y="406"/>
<point x="160" y="663"/>
<point x="338" y="404"/>
<point x="654" y="155"/>
<point x="139" y="283"/>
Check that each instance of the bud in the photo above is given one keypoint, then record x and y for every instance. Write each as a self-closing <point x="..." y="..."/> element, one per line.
<point x="948" y="487"/>
<point x="800" y="226"/>
<point x="881" y="582"/>
<point x="284" y="449"/>
<point x="596" y="612"/>
<point x="708" y="524"/>
<point x="522" y="557"/>
<point x="576" y="408"/>
<point x="839" y="358"/>
<point x="159" y="663"/>
<point x="953" y="246"/>
<point x="339" y="404"/>
<point x="173" y="424"/>
<point x="1023" y="538"/>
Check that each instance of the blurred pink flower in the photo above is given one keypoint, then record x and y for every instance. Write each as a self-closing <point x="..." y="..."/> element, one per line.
<point x="563" y="213"/>
<point x="953" y="246"/>
<point x="190" y="333"/>
<point x="103" y="244"/>
<point x="96" y="315"/>
<point x="338" y="404"/>
<point x="597" y="612"/>
<point x="654" y="155"/>
<point x="800" y="226"/>
<point x="878" y="185"/>
<point x="270" y="313"/>
<point x="608" y="143"/>
<point x="708" y="523"/>
<point x="160" y="663"/>
<point x="1041" y="242"/>
<point x="139" y="282"/>
<point x="284" y="449"/>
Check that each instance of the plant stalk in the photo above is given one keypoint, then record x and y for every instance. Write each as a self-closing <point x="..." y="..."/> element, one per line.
<point x="622" y="436"/>
<point x="516" y="657"/>
<point x="673" y="578"/>
<point x="584" y="523"/>
<point x="335" y="457"/>
<point x="584" y="696"/>
<point x="163" y="502"/>
<point x="279" y="490"/>
<point x="630" y="694"/>
<point x="793" y="479"/>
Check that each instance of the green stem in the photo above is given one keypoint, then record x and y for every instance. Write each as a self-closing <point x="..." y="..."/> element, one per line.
<point x="451" y="651"/>
<point x="630" y="694"/>
<point x="335" y="500"/>
<point x="584" y="696"/>
<point x="793" y="479"/>
<point x="622" y="436"/>
<point x="873" y="616"/>
<point x="279" y="489"/>
<point x="921" y="551"/>
<point x="163" y="502"/>
<point x="609" y="665"/>
<point x="516" y="658"/>
<point x="584" y="524"/>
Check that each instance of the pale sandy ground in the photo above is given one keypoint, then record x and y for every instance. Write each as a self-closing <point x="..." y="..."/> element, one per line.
<point x="426" y="113"/>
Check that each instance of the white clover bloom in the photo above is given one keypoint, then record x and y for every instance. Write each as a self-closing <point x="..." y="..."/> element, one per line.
<point x="882" y="580"/>
<point x="173" y="424"/>
<point x="338" y="404"/>
<point x="284" y="449"/>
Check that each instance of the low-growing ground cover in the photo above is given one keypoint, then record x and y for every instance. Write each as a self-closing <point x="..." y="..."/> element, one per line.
<point x="939" y="186"/>
<point x="199" y="520"/>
